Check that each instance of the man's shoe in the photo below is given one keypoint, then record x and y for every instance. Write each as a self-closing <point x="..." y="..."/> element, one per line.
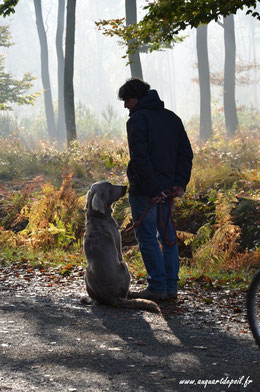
<point x="147" y="294"/>
<point x="172" y="295"/>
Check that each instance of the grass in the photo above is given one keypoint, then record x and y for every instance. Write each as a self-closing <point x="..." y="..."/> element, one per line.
<point x="38" y="259"/>
<point x="97" y="159"/>
<point x="193" y="276"/>
<point x="63" y="263"/>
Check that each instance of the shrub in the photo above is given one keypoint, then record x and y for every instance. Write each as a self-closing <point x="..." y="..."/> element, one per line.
<point x="224" y="171"/>
<point x="54" y="217"/>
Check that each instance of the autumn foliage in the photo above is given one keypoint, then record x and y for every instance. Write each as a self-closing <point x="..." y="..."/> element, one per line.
<point x="217" y="219"/>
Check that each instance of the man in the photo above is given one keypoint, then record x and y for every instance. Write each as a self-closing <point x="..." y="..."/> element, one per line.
<point x="160" y="160"/>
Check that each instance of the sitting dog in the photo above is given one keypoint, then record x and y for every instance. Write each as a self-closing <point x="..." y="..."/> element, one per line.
<point x="107" y="276"/>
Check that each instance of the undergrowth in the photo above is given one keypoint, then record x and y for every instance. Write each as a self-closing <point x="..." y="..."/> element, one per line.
<point x="42" y="198"/>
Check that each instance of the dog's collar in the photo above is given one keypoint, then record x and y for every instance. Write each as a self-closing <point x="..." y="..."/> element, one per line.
<point x="97" y="214"/>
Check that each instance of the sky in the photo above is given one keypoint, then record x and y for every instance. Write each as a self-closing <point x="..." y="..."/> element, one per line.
<point x="100" y="69"/>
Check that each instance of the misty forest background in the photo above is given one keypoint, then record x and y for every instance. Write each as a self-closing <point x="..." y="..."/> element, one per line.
<point x="59" y="134"/>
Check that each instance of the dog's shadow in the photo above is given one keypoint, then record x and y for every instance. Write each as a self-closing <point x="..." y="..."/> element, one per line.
<point x="169" y="347"/>
<point x="135" y="328"/>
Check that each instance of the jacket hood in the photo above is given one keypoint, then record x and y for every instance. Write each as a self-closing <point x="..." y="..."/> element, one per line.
<point x="150" y="101"/>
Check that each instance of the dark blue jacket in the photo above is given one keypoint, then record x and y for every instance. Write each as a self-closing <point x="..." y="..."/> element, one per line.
<point x="160" y="151"/>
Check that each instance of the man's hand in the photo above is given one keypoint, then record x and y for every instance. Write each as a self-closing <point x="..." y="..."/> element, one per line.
<point x="160" y="198"/>
<point x="178" y="190"/>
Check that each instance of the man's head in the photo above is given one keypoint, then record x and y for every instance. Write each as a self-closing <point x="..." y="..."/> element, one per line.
<point x="133" y="90"/>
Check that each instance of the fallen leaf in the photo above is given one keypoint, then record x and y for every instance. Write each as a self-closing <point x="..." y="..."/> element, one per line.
<point x="207" y="300"/>
<point x="141" y="344"/>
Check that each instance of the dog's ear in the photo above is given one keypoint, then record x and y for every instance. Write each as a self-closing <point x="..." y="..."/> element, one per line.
<point x="97" y="203"/>
<point x="87" y="201"/>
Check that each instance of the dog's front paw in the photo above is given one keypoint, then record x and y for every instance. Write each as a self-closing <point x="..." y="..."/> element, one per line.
<point x="86" y="300"/>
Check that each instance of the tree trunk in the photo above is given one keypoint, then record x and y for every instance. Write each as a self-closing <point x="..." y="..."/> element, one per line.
<point x="61" y="128"/>
<point x="134" y="58"/>
<point x="204" y="83"/>
<point x="68" y="73"/>
<point x="229" y="76"/>
<point x="253" y="42"/>
<point x="51" y="128"/>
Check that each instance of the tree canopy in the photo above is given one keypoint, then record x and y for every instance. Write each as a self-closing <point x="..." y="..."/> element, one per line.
<point x="5" y="37"/>
<point x="165" y="19"/>
<point x="12" y="90"/>
<point x="8" y="7"/>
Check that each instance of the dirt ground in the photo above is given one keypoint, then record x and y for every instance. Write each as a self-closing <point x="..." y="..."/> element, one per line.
<point x="49" y="342"/>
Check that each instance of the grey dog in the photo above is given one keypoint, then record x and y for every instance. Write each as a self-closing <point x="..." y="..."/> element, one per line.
<point x="107" y="276"/>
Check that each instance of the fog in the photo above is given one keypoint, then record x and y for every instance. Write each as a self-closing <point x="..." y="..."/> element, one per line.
<point x="100" y="69"/>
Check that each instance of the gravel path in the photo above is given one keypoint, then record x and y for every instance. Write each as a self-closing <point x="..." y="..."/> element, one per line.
<point x="49" y="342"/>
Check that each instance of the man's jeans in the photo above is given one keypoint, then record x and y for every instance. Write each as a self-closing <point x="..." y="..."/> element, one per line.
<point x="162" y="266"/>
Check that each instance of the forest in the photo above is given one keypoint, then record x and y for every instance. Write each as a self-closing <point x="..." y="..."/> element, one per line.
<point x="55" y="144"/>
<point x="63" y="128"/>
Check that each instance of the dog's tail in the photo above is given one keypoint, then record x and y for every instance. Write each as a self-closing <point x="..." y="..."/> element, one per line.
<point x="142" y="304"/>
